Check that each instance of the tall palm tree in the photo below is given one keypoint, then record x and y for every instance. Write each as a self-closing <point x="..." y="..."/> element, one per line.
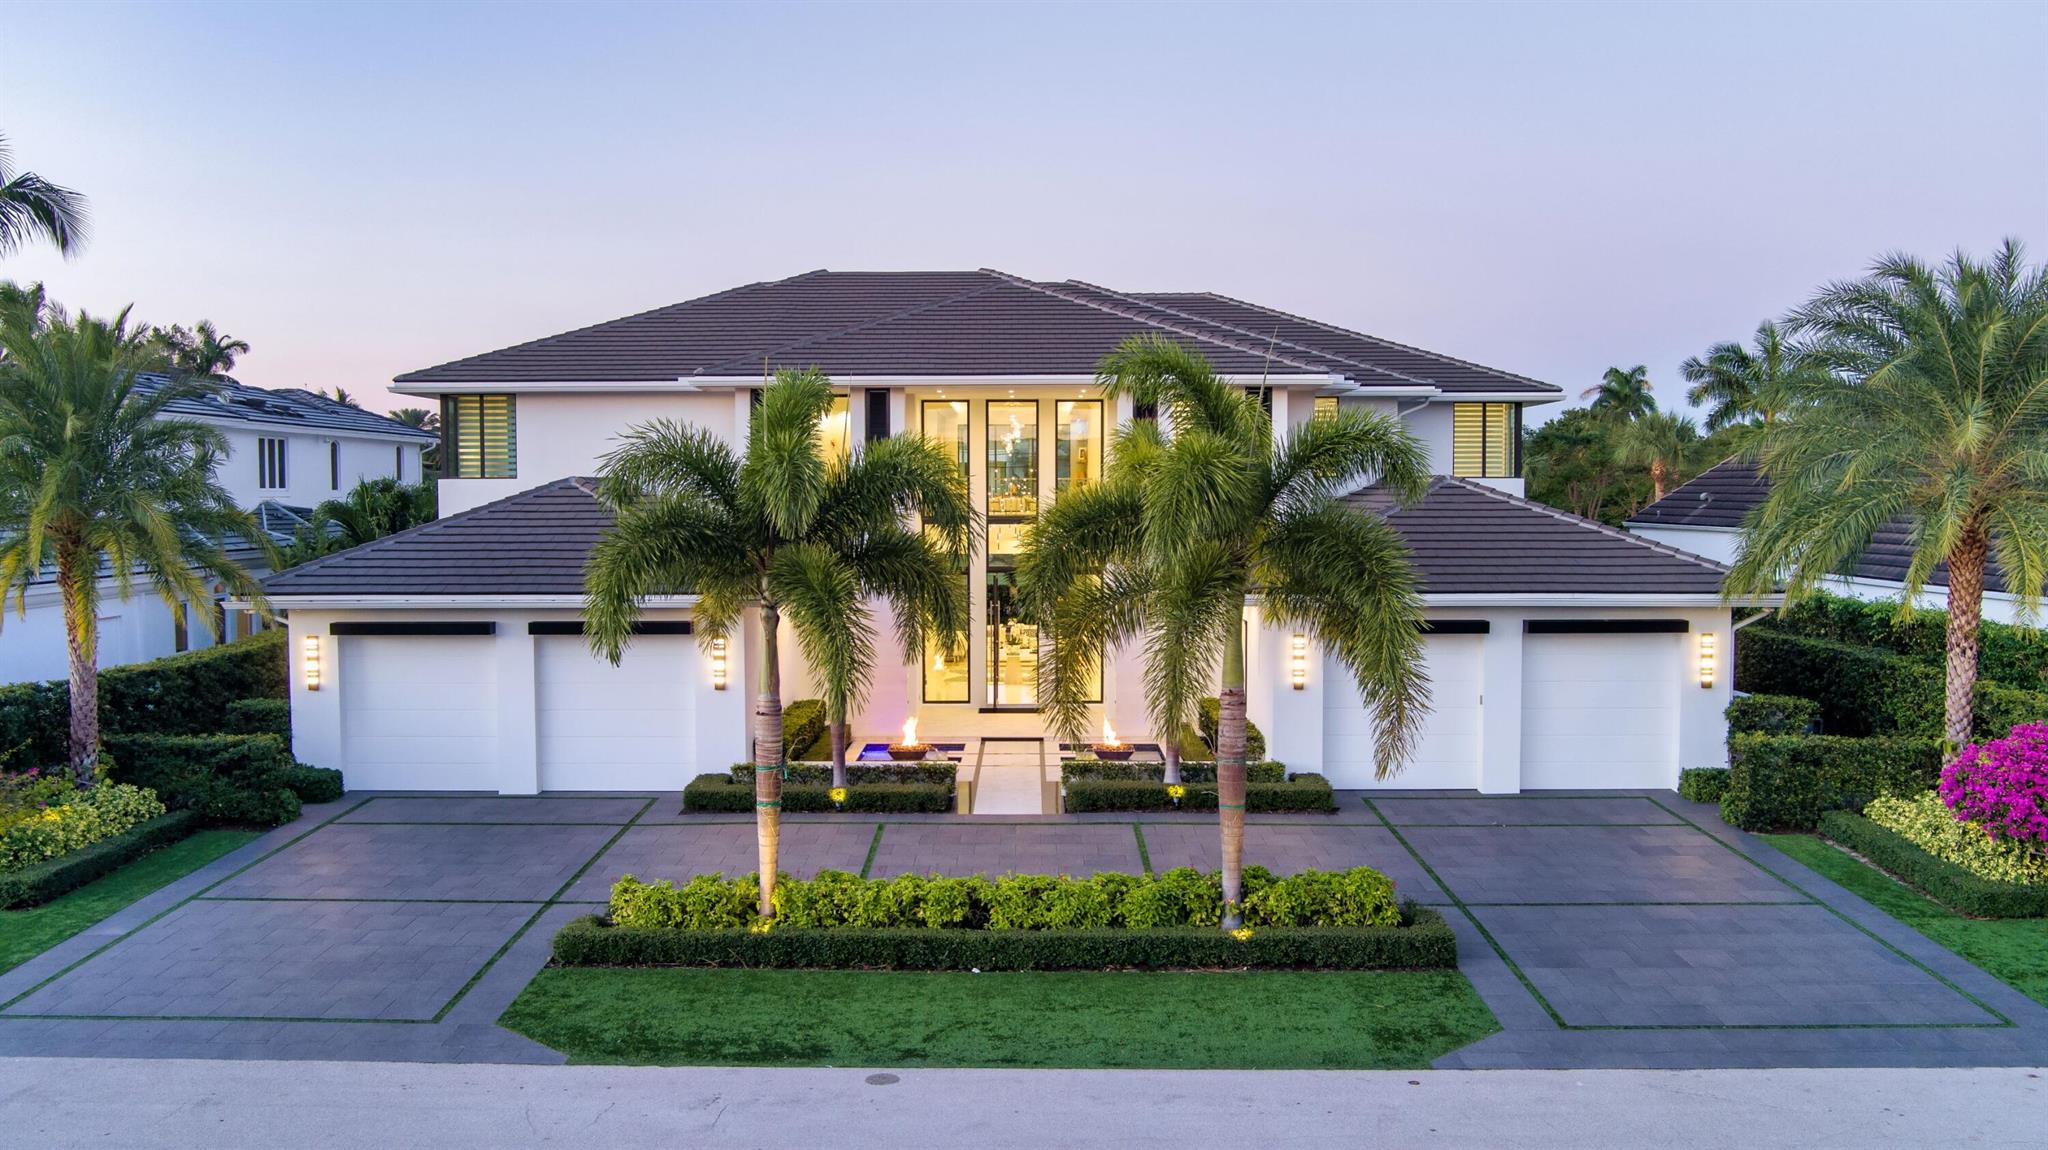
<point x="371" y="510"/>
<point x="1192" y="523"/>
<point x="784" y="533"/>
<point x="341" y="396"/>
<point x="417" y="417"/>
<point x="93" y="478"/>
<point x="1662" y="441"/>
<point x="1622" y="394"/>
<point x="203" y="352"/>
<point x="33" y="208"/>
<point x="1744" y="385"/>
<point x="1932" y="409"/>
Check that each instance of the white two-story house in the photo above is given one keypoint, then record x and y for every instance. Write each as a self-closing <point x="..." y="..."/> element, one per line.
<point x="1562" y="653"/>
<point x="287" y="452"/>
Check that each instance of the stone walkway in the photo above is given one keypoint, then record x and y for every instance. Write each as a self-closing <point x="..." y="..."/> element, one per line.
<point x="1603" y="930"/>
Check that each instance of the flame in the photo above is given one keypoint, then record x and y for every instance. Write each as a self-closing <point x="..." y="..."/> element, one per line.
<point x="1109" y="734"/>
<point x="909" y="732"/>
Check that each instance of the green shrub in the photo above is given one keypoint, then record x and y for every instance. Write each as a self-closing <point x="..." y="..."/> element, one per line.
<point x="1945" y="882"/>
<point x="1303" y="792"/>
<point x="38" y="883"/>
<point x="1786" y="781"/>
<point x="1423" y="941"/>
<point x="720" y="793"/>
<point x="1357" y="897"/>
<point x="706" y="902"/>
<point x="1102" y="770"/>
<point x="240" y="779"/>
<point x="1928" y="823"/>
<point x="260" y="717"/>
<point x="82" y="819"/>
<point x="1209" y="714"/>
<point x="1870" y="691"/>
<point x="2012" y="656"/>
<point x="857" y="774"/>
<point x="1772" y="715"/>
<point x="313" y="784"/>
<point x="1703" y="784"/>
<point x="803" y="724"/>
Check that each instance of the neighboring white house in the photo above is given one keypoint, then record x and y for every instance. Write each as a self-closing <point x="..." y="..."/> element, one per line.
<point x="1563" y="653"/>
<point x="287" y="451"/>
<point x="1704" y="516"/>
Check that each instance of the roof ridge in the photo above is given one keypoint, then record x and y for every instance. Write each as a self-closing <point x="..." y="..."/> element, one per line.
<point x="1052" y="290"/>
<point x="678" y="306"/>
<point x="1593" y="525"/>
<point x="1383" y="341"/>
<point x="383" y="541"/>
<point x="1273" y="337"/>
<point x="864" y="325"/>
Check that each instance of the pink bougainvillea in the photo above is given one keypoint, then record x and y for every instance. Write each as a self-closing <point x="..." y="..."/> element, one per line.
<point x="2002" y="784"/>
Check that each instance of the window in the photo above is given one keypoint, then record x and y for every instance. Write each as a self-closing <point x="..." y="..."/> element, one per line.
<point x="1486" y="440"/>
<point x="878" y="413"/>
<point x="1012" y="433"/>
<point x="1078" y="459"/>
<point x="181" y="635"/>
<point x="270" y="463"/>
<point x="398" y="462"/>
<point x="333" y="465"/>
<point x="1325" y="407"/>
<point x="480" y="437"/>
<point x="833" y="429"/>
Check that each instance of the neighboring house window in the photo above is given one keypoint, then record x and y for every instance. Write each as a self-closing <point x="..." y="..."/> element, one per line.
<point x="1325" y="407"/>
<point x="270" y="463"/>
<point x="479" y="437"/>
<point x="1486" y="440"/>
<point x="181" y="637"/>
<point x="398" y="462"/>
<point x="878" y="413"/>
<point x="334" y="466"/>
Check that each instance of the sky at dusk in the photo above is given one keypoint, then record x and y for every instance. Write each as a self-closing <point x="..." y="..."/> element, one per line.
<point x="364" y="189"/>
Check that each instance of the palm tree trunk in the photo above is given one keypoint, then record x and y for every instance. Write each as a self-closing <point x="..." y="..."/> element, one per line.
<point x="1658" y="474"/>
<point x="838" y="728"/>
<point x="1965" y="615"/>
<point x="768" y="758"/>
<point x="1169" y="749"/>
<point x="1230" y="773"/>
<point x="78" y="579"/>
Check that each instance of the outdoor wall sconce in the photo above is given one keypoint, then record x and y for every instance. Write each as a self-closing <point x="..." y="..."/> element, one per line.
<point x="311" y="647"/>
<point x="1707" y="659"/>
<point x="1297" y="662"/>
<point x="718" y="664"/>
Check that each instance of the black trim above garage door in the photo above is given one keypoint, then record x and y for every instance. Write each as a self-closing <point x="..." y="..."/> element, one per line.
<point x="412" y="629"/>
<point x="575" y="627"/>
<point x="1606" y="626"/>
<point x="1456" y="627"/>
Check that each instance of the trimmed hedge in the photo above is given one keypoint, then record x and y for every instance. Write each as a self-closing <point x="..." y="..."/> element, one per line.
<point x="2006" y="654"/>
<point x="35" y="885"/>
<point x="1943" y="881"/>
<point x="721" y="793"/>
<point x="243" y="779"/>
<point x="1788" y="781"/>
<point x="1302" y="792"/>
<point x="314" y="784"/>
<point x="186" y="694"/>
<point x="1209" y="716"/>
<point x="1703" y="784"/>
<point x="1423" y="941"/>
<point x="1102" y="770"/>
<point x="259" y="717"/>
<point x="1868" y="690"/>
<point x="858" y="774"/>
<point x="803" y="724"/>
<point x="1772" y="715"/>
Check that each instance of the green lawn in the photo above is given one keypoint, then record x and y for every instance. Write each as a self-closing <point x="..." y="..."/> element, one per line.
<point x="27" y="933"/>
<point x="2014" y="950"/>
<point x="1261" y="1020"/>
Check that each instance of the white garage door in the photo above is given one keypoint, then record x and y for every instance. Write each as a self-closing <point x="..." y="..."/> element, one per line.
<point x="1447" y="754"/>
<point x="419" y="712"/>
<point x="623" y="728"/>
<point x="1600" y="710"/>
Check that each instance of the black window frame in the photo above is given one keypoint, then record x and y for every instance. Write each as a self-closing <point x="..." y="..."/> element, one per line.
<point x="270" y="463"/>
<point x="334" y="465"/>
<point x="452" y="431"/>
<point x="1513" y="433"/>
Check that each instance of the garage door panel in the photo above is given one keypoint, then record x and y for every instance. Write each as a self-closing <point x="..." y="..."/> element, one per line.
<point x="1447" y="753"/>
<point x="419" y="713"/>
<point x="623" y="728"/>
<point x="1599" y="710"/>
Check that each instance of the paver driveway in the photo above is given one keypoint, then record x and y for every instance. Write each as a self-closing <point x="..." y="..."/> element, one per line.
<point x="1603" y="930"/>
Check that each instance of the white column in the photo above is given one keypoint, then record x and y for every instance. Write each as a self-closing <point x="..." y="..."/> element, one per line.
<point x="1500" y="733"/>
<point x="1292" y="720"/>
<point x="316" y="714"/>
<point x="742" y="417"/>
<point x="518" y="709"/>
<point x="1702" y="711"/>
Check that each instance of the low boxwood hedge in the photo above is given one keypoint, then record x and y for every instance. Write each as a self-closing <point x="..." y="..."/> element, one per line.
<point x="1943" y="881"/>
<point x="1422" y="941"/>
<point x="241" y="779"/>
<point x="1703" y="784"/>
<point x="38" y="884"/>
<point x="1102" y="770"/>
<point x="857" y="774"/>
<point x="720" y="793"/>
<point x="1302" y="792"/>
<point x="1787" y="781"/>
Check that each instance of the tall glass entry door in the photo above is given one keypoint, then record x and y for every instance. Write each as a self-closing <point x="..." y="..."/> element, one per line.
<point x="1012" y="643"/>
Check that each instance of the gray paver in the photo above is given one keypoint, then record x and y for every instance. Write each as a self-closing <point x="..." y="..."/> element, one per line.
<point x="1285" y="849"/>
<point x="496" y="809"/>
<point x="966" y="848"/>
<point x="1592" y="864"/>
<point x="678" y="852"/>
<point x="423" y="862"/>
<point x="1507" y="811"/>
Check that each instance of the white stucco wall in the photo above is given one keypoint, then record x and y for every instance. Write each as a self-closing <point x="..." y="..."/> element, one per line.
<point x="135" y="630"/>
<point x="560" y="435"/>
<point x="308" y="474"/>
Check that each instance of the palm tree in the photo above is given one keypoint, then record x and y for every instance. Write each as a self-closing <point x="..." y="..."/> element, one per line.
<point x="417" y="417"/>
<point x="1744" y="385"/>
<point x="371" y="510"/>
<point x="33" y="208"/>
<point x="1190" y="524"/>
<point x="1663" y="441"/>
<point x="1932" y="408"/>
<point x="93" y="478"/>
<point x="1622" y="394"/>
<point x="782" y="532"/>
<point x="203" y="352"/>
<point x="340" y="396"/>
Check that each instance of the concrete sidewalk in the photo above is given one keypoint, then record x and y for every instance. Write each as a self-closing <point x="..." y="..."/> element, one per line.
<point x="60" y="1103"/>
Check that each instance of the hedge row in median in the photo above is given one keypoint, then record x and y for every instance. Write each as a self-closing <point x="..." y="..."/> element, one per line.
<point x="1422" y="941"/>
<point x="720" y="793"/>
<point x="1302" y="792"/>
<point x="1943" y="881"/>
<point x="38" y="884"/>
<point x="1201" y="771"/>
